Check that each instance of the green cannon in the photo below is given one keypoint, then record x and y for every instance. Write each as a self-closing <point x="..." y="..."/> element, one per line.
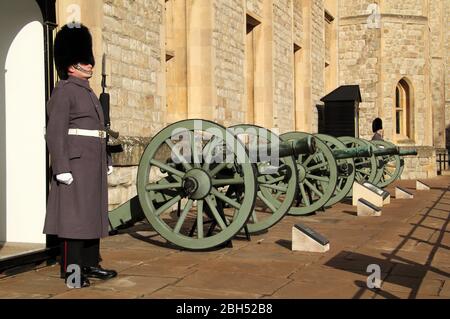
<point x="199" y="183"/>
<point x="326" y="176"/>
<point x="390" y="162"/>
<point x="198" y="187"/>
<point x="346" y="157"/>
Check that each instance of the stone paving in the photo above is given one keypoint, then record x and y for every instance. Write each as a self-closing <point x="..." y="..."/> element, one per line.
<point x="410" y="242"/>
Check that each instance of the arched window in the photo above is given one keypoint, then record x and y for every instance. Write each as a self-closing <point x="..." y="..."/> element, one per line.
<point x="403" y="110"/>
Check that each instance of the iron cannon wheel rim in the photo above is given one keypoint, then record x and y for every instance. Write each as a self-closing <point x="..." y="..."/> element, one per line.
<point x="344" y="183"/>
<point x="385" y="176"/>
<point x="370" y="173"/>
<point x="277" y="208"/>
<point x="149" y="193"/>
<point x="322" y="159"/>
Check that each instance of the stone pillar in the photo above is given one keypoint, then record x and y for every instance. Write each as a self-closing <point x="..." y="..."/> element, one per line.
<point x="303" y="62"/>
<point x="264" y="68"/>
<point x="438" y="28"/>
<point x="176" y="56"/>
<point x="202" y="97"/>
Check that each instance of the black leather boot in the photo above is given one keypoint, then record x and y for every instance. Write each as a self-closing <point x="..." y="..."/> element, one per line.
<point x="99" y="273"/>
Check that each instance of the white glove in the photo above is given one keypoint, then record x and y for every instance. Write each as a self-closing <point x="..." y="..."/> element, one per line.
<point x="65" y="178"/>
<point x="110" y="170"/>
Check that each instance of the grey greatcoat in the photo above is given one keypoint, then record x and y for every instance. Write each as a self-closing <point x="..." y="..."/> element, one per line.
<point x="79" y="210"/>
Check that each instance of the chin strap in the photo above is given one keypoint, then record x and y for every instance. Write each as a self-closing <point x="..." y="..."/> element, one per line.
<point x="79" y="68"/>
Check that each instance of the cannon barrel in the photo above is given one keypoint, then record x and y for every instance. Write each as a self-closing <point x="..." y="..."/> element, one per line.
<point x="386" y="151"/>
<point x="355" y="152"/>
<point x="306" y="145"/>
<point x="412" y="152"/>
<point x="394" y="151"/>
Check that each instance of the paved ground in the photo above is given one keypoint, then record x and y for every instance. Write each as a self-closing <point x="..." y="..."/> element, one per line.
<point x="410" y="241"/>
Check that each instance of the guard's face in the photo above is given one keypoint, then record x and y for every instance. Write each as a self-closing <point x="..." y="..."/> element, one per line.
<point x="82" y="71"/>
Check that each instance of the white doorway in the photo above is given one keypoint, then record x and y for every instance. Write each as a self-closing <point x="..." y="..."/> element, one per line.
<point x="22" y="122"/>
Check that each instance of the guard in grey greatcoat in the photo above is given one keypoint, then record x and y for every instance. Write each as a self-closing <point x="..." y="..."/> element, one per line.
<point x="77" y="208"/>
<point x="377" y="129"/>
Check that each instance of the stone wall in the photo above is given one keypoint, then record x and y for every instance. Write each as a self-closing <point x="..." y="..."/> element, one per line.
<point x="351" y="8"/>
<point x="447" y="73"/>
<point x="405" y="7"/>
<point x="229" y="48"/>
<point x="255" y="7"/>
<point x="404" y="56"/>
<point x="359" y="51"/>
<point x="132" y="41"/>
<point x="317" y="58"/>
<point x="422" y="166"/>
<point x="283" y="100"/>
<point x="438" y="69"/>
<point x="298" y="22"/>
<point x="376" y="59"/>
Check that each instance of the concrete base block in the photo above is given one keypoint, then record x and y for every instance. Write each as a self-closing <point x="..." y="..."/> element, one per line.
<point x="371" y="193"/>
<point x="307" y="240"/>
<point x="421" y="186"/>
<point x="401" y="193"/>
<point x="366" y="208"/>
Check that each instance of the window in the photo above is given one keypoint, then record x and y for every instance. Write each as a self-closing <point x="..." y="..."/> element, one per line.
<point x="403" y="110"/>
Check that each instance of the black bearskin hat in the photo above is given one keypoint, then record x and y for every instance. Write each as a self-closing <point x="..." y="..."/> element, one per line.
<point x="73" y="45"/>
<point x="377" y="124"/>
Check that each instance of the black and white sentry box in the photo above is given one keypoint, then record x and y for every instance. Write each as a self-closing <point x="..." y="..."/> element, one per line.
<point x="370" y="193"/>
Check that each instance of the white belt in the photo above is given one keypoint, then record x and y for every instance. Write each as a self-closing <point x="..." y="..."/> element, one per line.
<point x="92" y="133"/>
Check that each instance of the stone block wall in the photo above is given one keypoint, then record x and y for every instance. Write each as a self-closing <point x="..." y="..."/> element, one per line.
<point x="317" y="58"/>
<point x="359" y="58"/>
<point x="438" y="69"/>
<point x="406" y="7"/>
<point x="229" y="50"/>
<point x="298" y="21"/>
<point x="404" y="56"/>
<point x="422" y="166"/>
<point x="447" y="73"/>
<point x="132" y="41"/>
<point x="376" y="59"/>
<point x="255" y="7"/>
<point x="353" y="8"/>
<point x="283" y="73"/>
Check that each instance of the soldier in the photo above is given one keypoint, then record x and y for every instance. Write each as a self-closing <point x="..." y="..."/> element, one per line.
<point x="377" y="129"/>
<point x="77" y="208"/>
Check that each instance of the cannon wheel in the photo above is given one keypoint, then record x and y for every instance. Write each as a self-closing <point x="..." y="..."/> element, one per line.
<point x="277" y="190"/>
<point x="345" y="179"/>
<point x="317" y="176"/>
<point x="194" y="184"/>
<point x="365" y="167"/>
<point x="390" y="166"/>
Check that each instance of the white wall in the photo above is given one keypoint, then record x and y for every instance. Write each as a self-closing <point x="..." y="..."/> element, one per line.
<point x="24" y="186"/>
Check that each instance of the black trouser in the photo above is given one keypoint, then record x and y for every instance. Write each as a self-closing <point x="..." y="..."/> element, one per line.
<point x="81" y="252"/>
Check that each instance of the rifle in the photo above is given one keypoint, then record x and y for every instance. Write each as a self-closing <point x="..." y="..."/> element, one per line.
<point x="105" y="102"/>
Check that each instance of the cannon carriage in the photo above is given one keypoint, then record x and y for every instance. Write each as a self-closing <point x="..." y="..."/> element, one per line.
<point x="199" y="184"/>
